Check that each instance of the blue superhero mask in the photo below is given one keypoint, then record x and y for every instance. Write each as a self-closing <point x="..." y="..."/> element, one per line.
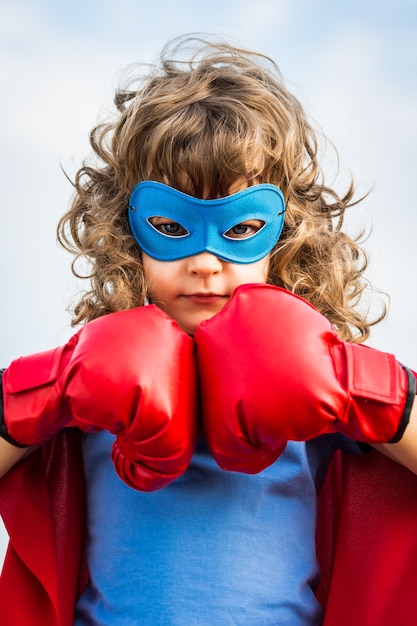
<point x="203" y="225"/>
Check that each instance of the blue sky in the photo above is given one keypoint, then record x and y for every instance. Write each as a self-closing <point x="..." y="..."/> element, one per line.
<point x="353" y="65"/>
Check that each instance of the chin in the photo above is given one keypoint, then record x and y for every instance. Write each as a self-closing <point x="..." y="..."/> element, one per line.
<point x="190" y="326"/>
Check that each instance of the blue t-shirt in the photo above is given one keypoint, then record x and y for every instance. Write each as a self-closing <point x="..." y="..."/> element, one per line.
<point x="214" y="548"/>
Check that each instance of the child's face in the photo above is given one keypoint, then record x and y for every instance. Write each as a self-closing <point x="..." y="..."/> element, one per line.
<point x="195" y="288"/>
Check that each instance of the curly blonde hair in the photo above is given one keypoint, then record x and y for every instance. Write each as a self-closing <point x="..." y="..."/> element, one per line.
<point x="210" y="114"/>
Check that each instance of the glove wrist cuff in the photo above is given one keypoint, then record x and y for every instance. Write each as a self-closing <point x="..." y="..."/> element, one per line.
<point x="3" y="428"/>
<point x="411" y="394"/>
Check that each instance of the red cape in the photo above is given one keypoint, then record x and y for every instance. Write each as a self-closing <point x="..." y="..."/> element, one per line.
<point x="42" y="505"/>
<point x="366" y="541"/>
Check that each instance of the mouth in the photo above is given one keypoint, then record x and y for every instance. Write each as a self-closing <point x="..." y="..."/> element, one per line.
<point x="206" y="298"/>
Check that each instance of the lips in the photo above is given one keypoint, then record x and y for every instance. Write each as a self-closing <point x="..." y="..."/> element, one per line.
<point x="206" y="298"/>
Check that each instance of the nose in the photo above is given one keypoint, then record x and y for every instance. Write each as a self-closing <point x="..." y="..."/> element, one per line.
<point x="204" y="264"/>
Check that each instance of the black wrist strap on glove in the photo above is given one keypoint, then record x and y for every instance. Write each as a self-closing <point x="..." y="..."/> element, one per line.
<point x="3" y="430"/>
<point x="408" y="406"/>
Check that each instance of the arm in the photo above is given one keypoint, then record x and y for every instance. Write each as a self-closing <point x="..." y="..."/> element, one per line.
<point x="405" y="451"/>
<point x="9" y="455"/>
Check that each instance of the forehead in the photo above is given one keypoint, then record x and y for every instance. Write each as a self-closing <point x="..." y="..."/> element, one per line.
<point x="206" y="189"/>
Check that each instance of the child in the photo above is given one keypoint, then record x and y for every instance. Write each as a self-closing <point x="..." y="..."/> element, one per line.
<point x="207" y="192"/>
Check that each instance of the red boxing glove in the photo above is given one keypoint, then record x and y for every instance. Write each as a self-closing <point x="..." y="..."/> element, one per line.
<point x="272" y="369"/>
<point x="132" y="373"/>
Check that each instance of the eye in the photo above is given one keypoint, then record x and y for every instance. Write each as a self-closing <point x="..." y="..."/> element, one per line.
<point x="167" y="227"/>
<point x="243" y="230"/>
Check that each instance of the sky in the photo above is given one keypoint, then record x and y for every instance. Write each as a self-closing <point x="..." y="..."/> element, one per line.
<point x="353" y="65"/>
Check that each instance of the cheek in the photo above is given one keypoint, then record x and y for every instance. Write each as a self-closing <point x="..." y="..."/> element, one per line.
<point x="266" y="265"/>
<point x="259" y="271"/>
<point x="161" y="278"/>
<point x="154" y="274"/>
<point x="251" y="273"/>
